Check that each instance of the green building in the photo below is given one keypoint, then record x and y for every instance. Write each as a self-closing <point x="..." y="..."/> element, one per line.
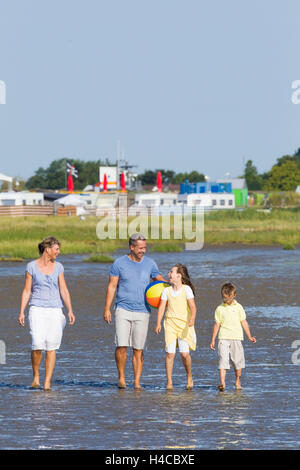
<point x="239" y="189"/>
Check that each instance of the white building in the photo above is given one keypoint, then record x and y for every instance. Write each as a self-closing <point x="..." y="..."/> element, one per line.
<point x="155" y="199"/>
<point x="203" y="200"/>
<point x="163" y="203"/>
<point x="21" y="198"/>
<point x="223" y="201"/>
<point x="158" y="203"/>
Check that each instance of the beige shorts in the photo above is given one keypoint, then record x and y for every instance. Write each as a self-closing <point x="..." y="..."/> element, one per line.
<point x="131" y="328"/>
<point x="231" y="350"/>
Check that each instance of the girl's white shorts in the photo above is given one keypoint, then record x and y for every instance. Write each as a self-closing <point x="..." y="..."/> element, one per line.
<point x="46" y="327"/>
<point x="183" y="346"/>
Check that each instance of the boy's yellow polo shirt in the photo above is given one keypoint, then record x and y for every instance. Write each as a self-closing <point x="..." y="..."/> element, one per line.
<point x="230" y="317"/>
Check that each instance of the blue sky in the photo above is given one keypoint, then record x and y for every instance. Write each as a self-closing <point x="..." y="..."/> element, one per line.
<point x="182" y="84"/>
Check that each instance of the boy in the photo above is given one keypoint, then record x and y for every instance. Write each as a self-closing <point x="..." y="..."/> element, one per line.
<point x="230" y="320"/>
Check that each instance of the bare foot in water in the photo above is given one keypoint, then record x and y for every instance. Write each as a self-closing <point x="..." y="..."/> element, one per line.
<point x="190" y="384"/>
<point x="35" y="385"/>
<point x="47" y="386"/>
<point x="138" y="388"/>
<point x="238" y="385"/>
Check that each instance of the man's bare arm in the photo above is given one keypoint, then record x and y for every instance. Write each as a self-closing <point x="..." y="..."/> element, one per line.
<point x="110" y="293"/>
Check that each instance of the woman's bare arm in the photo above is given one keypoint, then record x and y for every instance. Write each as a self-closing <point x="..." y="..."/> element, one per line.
<point x="25" y="298"/>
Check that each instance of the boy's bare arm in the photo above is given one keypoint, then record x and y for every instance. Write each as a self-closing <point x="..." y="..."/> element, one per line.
<point x="246" y="328"/>
<point x="214" y="335"/>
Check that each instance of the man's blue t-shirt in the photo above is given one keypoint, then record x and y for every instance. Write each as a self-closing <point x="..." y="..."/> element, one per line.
<point x="133" y="280"/>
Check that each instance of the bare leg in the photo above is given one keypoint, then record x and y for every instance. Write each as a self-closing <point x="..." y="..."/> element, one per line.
<point x="222" y="373"/>
<point x="169" y="369"/>
<point x="137" y="362"/>
<point x="36" y="359"/>
<point x="187" y="362"/>
<point x="121" y="357"/>
<point x="49" y="368"/>
<point x="238" y="373"/>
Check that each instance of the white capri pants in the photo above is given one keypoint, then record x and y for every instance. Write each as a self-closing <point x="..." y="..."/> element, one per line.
<point x="46" y="327"/>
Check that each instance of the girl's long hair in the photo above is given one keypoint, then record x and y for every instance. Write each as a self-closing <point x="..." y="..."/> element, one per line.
<point x="185" y="278"/>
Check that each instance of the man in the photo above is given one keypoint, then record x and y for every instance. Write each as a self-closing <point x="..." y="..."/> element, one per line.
<point x="128" y="278"/>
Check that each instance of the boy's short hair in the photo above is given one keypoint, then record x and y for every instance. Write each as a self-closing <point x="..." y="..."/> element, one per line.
<point x="228" y="289"/>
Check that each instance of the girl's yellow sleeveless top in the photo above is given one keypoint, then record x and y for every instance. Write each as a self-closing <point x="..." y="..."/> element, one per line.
<point x="177" y="319"/>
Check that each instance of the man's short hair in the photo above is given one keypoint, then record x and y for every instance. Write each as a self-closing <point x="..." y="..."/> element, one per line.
<point x="135" y="237"/>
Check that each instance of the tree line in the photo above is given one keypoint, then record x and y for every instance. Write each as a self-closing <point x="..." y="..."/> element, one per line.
<point x="283" y="176"/>
<point x="54" y="177"/>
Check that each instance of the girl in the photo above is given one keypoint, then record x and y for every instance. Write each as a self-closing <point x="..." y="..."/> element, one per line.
<point x="179" y="321"/>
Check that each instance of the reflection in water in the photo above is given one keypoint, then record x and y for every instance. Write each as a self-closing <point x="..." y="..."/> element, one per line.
<point x="234" y="416"/>
<point x="86" y="410"/>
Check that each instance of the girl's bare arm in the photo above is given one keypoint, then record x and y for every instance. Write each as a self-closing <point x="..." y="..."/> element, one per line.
<point x="193" y="310"/>
<point x="160" y="314"/>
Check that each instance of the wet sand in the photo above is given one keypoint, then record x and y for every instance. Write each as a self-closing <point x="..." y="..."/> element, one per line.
<point x="86" y="410"/>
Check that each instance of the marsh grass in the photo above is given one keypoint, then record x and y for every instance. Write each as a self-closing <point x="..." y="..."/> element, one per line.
<point x="165" y="247"/>
<point x="19" y="236"/>
<point x="288" y="246"/>
<point x="277" y="227"/>
<point x="99" y="259"/>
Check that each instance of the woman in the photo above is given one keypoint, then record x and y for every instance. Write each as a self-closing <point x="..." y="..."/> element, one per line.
<point x="46" y="290"/>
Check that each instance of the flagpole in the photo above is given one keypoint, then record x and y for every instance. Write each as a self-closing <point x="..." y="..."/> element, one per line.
<point x="65" y="174"/>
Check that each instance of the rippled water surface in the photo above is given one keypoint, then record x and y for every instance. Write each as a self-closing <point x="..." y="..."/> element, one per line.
<point x="86" y="410"/>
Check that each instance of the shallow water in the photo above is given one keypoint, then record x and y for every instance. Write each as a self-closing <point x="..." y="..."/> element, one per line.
<point x="86" y="410"/>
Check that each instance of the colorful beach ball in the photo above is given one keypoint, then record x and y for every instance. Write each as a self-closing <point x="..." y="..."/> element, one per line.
<point x="153" y="292"/>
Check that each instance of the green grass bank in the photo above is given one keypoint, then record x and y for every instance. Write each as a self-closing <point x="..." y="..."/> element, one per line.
<point x="19" y="236"/>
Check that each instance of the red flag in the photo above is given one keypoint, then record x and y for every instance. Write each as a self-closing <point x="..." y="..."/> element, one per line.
<point x="123" y="183"/>
<point x="70" y="183"/>
<point x="105" y="183"/>
<point x="159" y="182"/>
<point x="71" y="170"/>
